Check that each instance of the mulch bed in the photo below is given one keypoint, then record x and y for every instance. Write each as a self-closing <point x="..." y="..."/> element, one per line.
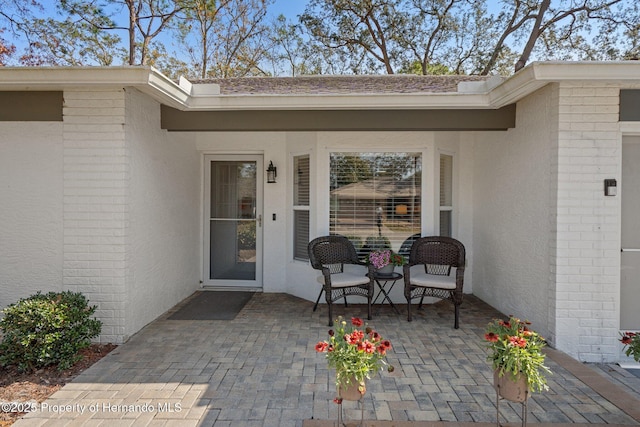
<point x="37" y="386"/>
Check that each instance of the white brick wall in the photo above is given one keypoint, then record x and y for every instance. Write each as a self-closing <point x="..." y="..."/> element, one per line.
<point x="586" y="269"/>
<point x="30" y="209"/>
<point x="96" y="174"/>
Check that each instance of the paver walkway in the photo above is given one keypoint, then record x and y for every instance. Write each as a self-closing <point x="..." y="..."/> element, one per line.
<point x="261" y="370"/>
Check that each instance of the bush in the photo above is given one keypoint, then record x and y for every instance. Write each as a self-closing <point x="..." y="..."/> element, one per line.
<point x="47" y="329"/>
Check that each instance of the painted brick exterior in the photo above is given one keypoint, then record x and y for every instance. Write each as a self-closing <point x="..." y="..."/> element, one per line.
<point x="95" y="203"/>
<point x="586" y="249"/>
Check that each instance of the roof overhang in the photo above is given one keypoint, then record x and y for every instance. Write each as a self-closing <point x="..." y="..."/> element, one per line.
<point x="187" y="97"/>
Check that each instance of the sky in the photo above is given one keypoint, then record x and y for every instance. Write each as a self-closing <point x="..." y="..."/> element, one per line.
<point x="289" y="8"/>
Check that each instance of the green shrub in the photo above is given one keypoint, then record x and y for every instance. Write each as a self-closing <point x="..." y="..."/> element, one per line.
<point x="247" y="235"/>
<point x="47" y="329"/>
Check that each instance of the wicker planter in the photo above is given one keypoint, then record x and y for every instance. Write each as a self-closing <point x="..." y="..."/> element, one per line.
<point x="507" y="388"/>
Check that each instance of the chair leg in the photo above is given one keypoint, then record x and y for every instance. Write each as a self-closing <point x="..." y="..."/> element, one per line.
<point x="318" y="300"/>
<point x="329" y="295"/>
<point x="457" y="314"/>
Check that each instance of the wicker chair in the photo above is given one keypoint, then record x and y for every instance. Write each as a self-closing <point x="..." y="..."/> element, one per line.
<point x="342" y="273"/>
<point x="405" y="248"/>
<point x="428" y="273"/>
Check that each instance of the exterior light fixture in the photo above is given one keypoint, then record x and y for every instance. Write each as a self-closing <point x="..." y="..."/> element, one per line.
<point x="610" y="187"/>
<point x="272" y="173"/>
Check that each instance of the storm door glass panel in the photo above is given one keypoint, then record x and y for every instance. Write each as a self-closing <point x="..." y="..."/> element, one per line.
<point x="375" y="198"/>
<point x="233" y="220"/>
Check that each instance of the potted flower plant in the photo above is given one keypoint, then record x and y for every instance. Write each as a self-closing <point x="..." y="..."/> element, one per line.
<point x="384" y="260"/>
<point x="515" y="352"/>
<point x="631" y="341"/>
<point x="355" y="353"/>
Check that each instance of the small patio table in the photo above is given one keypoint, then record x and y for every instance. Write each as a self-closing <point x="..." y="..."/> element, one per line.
<point x="381" y="280"/>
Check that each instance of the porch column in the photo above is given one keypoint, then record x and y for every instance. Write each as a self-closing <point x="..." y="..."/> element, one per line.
<point x="586" y="265"/>
<point x="96" y="172"/>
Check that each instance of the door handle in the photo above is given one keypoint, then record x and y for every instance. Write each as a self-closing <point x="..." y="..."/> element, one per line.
<point x="259" y="220"/>
<point x="630" y="250"/>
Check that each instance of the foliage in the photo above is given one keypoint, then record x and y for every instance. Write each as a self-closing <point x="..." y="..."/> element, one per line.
<point x="247" y="235"/>
<point x="47" y="329"/>
<point x="382" y="258"/>
<point x="354" y="353"/>
<point x="231" y="38"/>
<point x="631" y="341"/>
<point x="225" y="38"/>
<point x="377" y="242"/>
<point x="515" y="349"/>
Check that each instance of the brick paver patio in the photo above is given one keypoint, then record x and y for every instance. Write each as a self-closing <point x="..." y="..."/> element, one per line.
<point x="261" y="370"/>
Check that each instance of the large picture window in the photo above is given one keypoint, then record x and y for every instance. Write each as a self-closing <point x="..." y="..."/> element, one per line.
<point x="375" y="199"/>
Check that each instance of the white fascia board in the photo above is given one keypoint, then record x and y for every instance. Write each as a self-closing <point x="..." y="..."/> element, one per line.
<point x="57" y="78"/>
<point x="338" y="102"/>
<point x="538" y="74"/>
<point x="146" y="79"/>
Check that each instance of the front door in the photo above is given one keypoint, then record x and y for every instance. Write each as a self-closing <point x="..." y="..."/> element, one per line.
<point x="233" y="222"/>
<point x="630" y="256"/>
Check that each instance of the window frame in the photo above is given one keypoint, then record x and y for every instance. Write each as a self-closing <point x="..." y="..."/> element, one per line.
<point x="300" y="208"/>
<point x="446" y="208"/>
<point x="427" y="180"/>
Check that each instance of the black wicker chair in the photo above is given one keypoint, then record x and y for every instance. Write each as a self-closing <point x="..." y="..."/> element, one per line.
<point x="405" y="248"/>
<point x="342" y="273"/>
<point x="428" y="273"/>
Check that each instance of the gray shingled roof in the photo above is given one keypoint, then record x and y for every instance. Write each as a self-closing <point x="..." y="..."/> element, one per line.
<point x="357" y="84"/>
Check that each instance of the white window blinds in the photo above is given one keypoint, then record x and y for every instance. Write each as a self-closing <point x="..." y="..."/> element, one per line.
<point x="301" y="198"/>
<point x="375" y="198"/>
<point x="446" y="195"/>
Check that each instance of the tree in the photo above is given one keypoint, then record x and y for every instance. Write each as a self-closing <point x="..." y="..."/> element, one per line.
<point x="70" y="43"/>
<point x="6" y="50"/>
<point x="289" y="50"/>
<point x="364" y="28"/>
<point x="230" y="36"/>
<point x="430" y="31"/>
<point x="144" y="20"/>
<point x="556" y="25"/>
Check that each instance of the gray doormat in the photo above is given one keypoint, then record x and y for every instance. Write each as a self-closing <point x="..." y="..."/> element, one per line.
<point x="212" y="305"/>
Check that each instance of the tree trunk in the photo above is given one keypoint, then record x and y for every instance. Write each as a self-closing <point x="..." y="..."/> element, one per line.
<point x="533" y="37"/>
<point x="132" y="32"/>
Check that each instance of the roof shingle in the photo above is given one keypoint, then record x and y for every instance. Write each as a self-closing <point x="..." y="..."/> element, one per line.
<point x="336" y="85"/>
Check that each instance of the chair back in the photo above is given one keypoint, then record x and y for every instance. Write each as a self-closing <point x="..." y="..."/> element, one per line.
<point x="332" y="252"/>
<point x="438" y="254"/>
<point x="405" y="248"/>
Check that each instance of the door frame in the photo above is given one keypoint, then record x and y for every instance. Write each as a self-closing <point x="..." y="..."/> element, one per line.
<point x="628" y="138"/>
<point x="227" y="284"/>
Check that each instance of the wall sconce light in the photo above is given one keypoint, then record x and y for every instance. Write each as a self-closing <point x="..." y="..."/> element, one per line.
<point x="272" y="173"/>
<point x="610" y="187"/>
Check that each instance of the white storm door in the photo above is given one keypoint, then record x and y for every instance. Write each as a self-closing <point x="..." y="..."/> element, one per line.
<point x="630" y="256"/>
<point x="233" y="221"/>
